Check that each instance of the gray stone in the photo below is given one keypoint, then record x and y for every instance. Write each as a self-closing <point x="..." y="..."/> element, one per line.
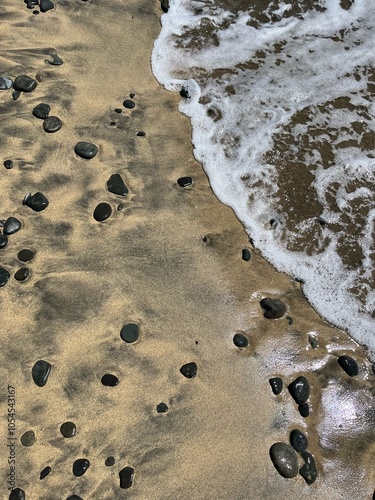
<point x="52" y="124"/>
<point x="24" y="83"/>
<point x="285" y="459"/>
<point x="11" y="226"/>
<point x="5" y="83"/>
<point x="28" y="438"/>
<point x="274" y="308"/>
<point x="86" y="150"/>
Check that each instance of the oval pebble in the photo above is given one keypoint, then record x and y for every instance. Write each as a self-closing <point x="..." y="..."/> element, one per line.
<point x="276" y="384"/>
<point x="17" y="494"/>
<point x="22" y="274"/>
<point x="74" y="497"/>
<point x="102" y="212"/>
<point x="349" y="365"/>
<point x="8" y="164"/>
<point x="274" y="308"/>
<point x="129" y="104"/>
<point x="184" y="181"/>
<point x="130" y="333"/>
<point x="285" y="460"/>
<point x="68" y="429"/>
<point x="44" y="473"/>
<point x="162" y="408"/>
<point x="56" y="60"/>
<point x="11" y="226"/>
<point x="4" y="276"/>
<point x="298" y="440"/>
<point x="246" y="254"/>
<point x="110" y="461"/>
<point x="141" y="133"/>
<point x="86" y="150"/>
<point x="28" y="438"/>
<point x="308" y="470"/>
<point x="109" y="380"/>
<point x="80" y="466"/>
<point x="25" y="255"/>
<point x="3" y="240"/>
<point x="46" y="5"/>
<point x="189" y="370"/>
<point x="40" y="372"/>
<point x="42" y="110"/>
<point x="304" y="410"/>
<point x="300" y="390"/>
<point x="36" y="202"/>
<point x="5" y="83"/>
<point x="16" y="94"/>
<point x="239" y="340"/>
<point x="24" y="83"/>
<point x="126" y="477"/>
<point x="52" y="124"/>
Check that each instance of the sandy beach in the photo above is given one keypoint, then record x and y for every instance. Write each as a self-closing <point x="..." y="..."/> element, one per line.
<point x="166" y="258"/>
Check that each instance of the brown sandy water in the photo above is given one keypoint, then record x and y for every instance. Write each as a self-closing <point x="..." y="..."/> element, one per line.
<point x="169" y="261"/>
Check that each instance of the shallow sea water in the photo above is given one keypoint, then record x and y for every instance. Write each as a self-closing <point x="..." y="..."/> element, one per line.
<point x="281" y="101"/>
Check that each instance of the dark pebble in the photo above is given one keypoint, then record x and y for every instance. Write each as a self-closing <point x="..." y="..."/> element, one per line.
<point x="285" y="459"/>
<point x="184" y="92"/>
<point x="290" y="320"/>
<point x="52" y="124"/>
<point x="126" y="477"/>
<point x="162" y="408"/>
<point x="131" y="95"/>
<point x="129" y="104"/>
<point x="164" y="5"/>
<point x="5" y="83"/>
<point x="80" y="466"/>
<point x="46" y="5"/>
<point x="102" y="212"/>
<point x="28" y="438"/>
<point x="25" y="255"/>
<point x="116" y="185"/>
<point x="276" y="384"/>
<point x="45" y="472"/>
<point x="118" y="110"/>
<point x="246" y="255"/>
<point x="74" y="497"/>
<point x="349" y="365"/>
<point x="239" y="340"/>
<point x="120" y="207"/>
<point x="189" y="370"/>
<point x="109" y="380"/>
<point x="11" y="226"/>
<point x="300" y="390"/>
<point x="304" y="410"/>
<point x="41" y="111"/>
<point x="298" y="440"/>
<point x="22" y="274"/>
<point x="308" y="470"/>
<point x="40" y="372"/>
<point x="8" y="164"/>
<point x="37" y="202"/>
<point x="24" y="83"/>
<point x="36" y="12"/>
<point x="86" y="150"/>
<point x="130" y="333"/>
<point x="68" y="429"/>
<point x="4" y="276"/>
<point x="141" y="133"/>
<point x="185" y="181"/>
<point x="274" y="308"/>
<point x="16" y="94"/>
<point x="56" y="60"/>
<point x="3" y="240"/>
<point x="17" y="494"/>
<point x="110" y="461"/>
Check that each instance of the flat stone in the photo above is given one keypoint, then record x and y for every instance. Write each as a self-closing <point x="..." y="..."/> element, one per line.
<point x="37" y="202"/>
<point x="68" y="429"/>
<point x="52" y="124"/>
<point x="46" y="5"/>
<point x="28" y="438"/>
<point x="16" y="94"/>
<point x="141" y="133"/>
<point x="25" y="255"/>
<point x="8" y="164"/>
<point x="304" y="410"/>
<point x="276" y="384"/>
<point x="4" y="276"/>
<point x="44" y="473"/>
<point x="298" y="440"/>
<point x="185" y="181"/>
<point x="189" y="370"/>
<point x="17" y="494"/>
<point x="86" y="150"/>
<point x="285" y="459"/>
<point x="110" y="461"/>
<point x="162" y="408"/>
<point x="130" y="333"/>
<point x="80" y="466"/>
<point x="11" y="226"/>
<point x="239" y="340"/>
<point x="116" y="185"/>
<point x="274" y="308"/>
<point x="22" y="274"/>
<point x="349" y="365"/>
<point x="126" y="477"/>
<point x="109" y="380"/>
<point x="129" y="104"/>
<point x="102" y="212"/>
<point x="42" y="110"/>
<point x="246" y="254"/>
<point x="56" y="60"/>
<point x="40" y="372"/>
<point x="3" y="240"/>
<point x="25" y="83"/>
<point x="300" y="390"/>
<point x="5" y="83"/>
<point x="118" y="110"/>
<point x="308" y="470"/>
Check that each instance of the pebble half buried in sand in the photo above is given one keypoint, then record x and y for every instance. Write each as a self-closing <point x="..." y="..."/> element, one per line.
<point x="24" y="83"/>
<point x="86" y="150"/>
<point x="284" y="458"/>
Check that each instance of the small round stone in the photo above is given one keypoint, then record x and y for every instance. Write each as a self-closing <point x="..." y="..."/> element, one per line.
<point x="80" y="466"/>
<point x="246" y="254"/>
<point x="24" y="83"/>
<point x="308" y="470"/>
<point x="304" y="410"/>
<point x="300" y="390"/>
<point x="110" y="461"/>
<point x="22" y="274"/>
<point x="25" y="255"/>
<point x="46" y="5"/>
<point x="74" y="497"/>
<point x="68" y="429"/>
<point x="56" y="60"/>
<point x="349" y="365"/>
<point x="102" y="212"/>
<point x="189" y="370"/>
<point x="86" y="150"/>
<point x="109" y="380"/>
<point x="284" y="459"/>
<point x="45" y="472"/>
<point x="52" y="124"/>
<point x="141" y="133"/>
<point x="184" y="181"/>
<point x="11" y="226"/>
<point x="8" y="164"/>
<point x="130" y="333"/>
<point x="274" y="308"/>
<point x="118" y="110"/>
<point x="129" y="104"/>
<point x="276" y="384"/>
<point x="28" y="438"/>
<point x="298" y="440"/>
<point x="17" y="494"/>
<point x="239" y="340"/>
<point x="40" y="372"/>
<point x="16" y="94"/>
<point x="36" y="202"/>
<point x="5" y="83"/>
<point x="126" y="477"/>
<point x="42" y="110"/>
<point x="4" y="276"/>
<point x="3" y="240"/>
<point x="162" y="408"/>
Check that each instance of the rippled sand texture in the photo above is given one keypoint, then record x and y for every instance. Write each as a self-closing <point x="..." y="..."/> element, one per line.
<point x="169" y="261"/>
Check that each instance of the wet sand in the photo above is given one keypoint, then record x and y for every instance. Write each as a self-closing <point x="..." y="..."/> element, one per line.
<point x="169" y="261"/>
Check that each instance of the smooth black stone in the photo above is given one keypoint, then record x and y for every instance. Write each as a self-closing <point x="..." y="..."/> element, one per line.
<point x="246" y="254"/>
<point x="184" y="92"/>
<point x="298" y="440"/>
<point x="285" y="459"/>
<point x="109" y="380"/>
<point x="26" y="198"/>
<point x="162" y="408"/>
<point x="25" y="255"/>
<point x="52" y="124"/>
<point x="41" y="111"/>
<point x="24" y="83"/>
<point x="11" y="226"/>
<point x="102" y="212"/>
<point x="164" y="5"/>
<point x="239" y="340"/>
<point x="40" y="372"/>
<point x="30" y="4"/>
<point x="110" y="461"/>
<point x="4" y="276"/>
<point x="45" y="472"/>
<point x="37" y="202"/>
<point x="118" y="110"/>
<point x="80" y="466"/>
<point x="185" y="181"/>
<point x="274" y="308"/>
<point x="8" y="164"/>
<point x="68" y="429"/>
<point x="126" y="477"/>
<point x="300" y="390"/>
<point x="16" y="94"/>
<point x="349" y="365"/>
<point x="3" y="240"/>
<point x="141" y="133"/>
<point x="46" y="5"/>
<point x="5" y="83"/>
<point x="36" y="12"/>
<point x="189" y="370"/>
<point x="86" y="150"/>
<point x="22" y="274"/>
<point x="17" y="494"/>
<point x="276" y="384"/>
<point x="28" y="438"/>
<point x="130" y="333"/>
<point x="120" y="207"/>
<point x="129" y="104"/>
<point x="304" y="410"/>
<point x="116" y="185"/>
<point x="56" y="60"/>
<point x="308" y="470"/>
<point x="74" y="497"/>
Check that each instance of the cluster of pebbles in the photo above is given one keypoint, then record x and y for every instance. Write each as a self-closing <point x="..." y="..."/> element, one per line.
<point x="44" y="5"/>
